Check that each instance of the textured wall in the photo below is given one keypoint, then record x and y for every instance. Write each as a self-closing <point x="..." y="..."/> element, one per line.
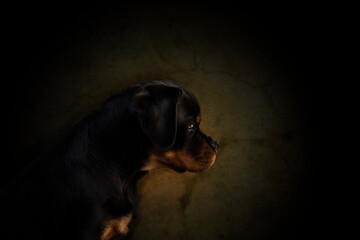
<point x="250" y="98"/>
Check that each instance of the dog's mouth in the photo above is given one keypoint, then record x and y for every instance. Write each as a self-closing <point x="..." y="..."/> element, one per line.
<point x="185" y="162"/>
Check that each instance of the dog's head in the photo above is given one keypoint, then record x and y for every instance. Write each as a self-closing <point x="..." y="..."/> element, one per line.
<point x="169" y="116"/>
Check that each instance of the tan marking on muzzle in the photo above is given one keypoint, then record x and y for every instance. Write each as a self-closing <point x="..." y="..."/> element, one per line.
<point x="182" y="160"/>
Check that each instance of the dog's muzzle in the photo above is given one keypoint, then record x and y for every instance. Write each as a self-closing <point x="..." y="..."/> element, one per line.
<point x="213" y="143"/>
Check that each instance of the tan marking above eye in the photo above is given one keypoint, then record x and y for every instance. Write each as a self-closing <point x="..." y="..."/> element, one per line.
<point x="198" y="119"/>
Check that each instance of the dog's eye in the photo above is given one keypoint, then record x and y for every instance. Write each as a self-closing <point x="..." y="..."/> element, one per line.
<point x="190" y="126"/>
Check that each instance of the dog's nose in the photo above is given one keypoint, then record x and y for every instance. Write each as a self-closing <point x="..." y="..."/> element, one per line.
<point x="213" y="143"/>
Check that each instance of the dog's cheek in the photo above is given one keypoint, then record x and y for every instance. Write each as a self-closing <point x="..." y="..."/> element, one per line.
<point x="169" y="159"/>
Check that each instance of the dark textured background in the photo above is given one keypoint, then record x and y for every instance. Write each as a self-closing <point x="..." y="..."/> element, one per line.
<point x="253" y="71"/>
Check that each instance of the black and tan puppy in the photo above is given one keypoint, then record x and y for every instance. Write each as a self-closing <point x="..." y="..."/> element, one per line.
<point x="85" y="188"/>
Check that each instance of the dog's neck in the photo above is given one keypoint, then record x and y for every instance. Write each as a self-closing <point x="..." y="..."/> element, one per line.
<point x="115" y="138"/>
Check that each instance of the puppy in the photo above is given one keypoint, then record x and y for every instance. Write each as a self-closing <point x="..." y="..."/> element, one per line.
<point x="85" y="187"/>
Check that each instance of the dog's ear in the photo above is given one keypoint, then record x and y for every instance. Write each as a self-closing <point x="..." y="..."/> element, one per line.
<point x="156" y="109"/>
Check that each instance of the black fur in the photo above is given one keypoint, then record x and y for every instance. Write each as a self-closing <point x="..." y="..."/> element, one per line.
<point x="91" y="176"/>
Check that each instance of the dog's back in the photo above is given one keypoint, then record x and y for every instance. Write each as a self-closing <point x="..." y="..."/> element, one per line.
<point x="63" y="195"/>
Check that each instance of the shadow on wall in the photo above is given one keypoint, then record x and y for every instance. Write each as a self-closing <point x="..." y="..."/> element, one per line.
<point x="241" y="67"/>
